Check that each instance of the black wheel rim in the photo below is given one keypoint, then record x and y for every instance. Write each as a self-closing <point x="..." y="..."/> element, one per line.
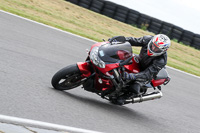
<point x="70" y="81"/>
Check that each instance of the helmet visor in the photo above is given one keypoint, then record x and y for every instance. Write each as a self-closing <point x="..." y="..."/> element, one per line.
<point x="154" y="48"/>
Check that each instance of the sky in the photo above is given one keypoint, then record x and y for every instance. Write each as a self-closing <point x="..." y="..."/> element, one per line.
<point x="182" y="13"/>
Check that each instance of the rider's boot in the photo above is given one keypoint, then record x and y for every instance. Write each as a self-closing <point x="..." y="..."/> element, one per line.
<point x="134" y="92"/>
<point x="135" y="88"/>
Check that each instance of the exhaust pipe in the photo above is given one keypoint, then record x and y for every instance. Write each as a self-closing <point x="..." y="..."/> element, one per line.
<point x="147" y="97"/>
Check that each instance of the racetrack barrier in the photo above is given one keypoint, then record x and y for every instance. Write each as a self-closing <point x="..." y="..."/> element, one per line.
<point x="155" y="25"/>
<point x="176" y="33"/>
<point x="121" y="13"/>
<point x="132" y="17"/>
<point x="74" y="1"/>
<point x="196" y="41"/>
<point x="187" y="37"/>
<point x="97" y="5"/>
<point x="85" y="3"/>
<point x="166" y="28"/>
<point x="109" y="9"/>
<point x="143" y="21"/>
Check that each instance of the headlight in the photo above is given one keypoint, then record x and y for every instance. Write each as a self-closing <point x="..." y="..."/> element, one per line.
<point x="95" y="58"/>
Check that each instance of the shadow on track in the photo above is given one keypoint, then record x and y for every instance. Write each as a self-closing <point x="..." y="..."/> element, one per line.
<point x="121" y="112"/>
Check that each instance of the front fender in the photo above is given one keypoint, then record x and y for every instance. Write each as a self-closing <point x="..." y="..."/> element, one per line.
<point x="84" y="68"/>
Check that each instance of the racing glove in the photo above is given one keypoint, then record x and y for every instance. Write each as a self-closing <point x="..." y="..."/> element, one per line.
<point x="129" y="76"/>
<point x="117" y="39"/>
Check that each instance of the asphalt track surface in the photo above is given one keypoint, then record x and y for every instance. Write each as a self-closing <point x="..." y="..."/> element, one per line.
<point x="31" y="53"/>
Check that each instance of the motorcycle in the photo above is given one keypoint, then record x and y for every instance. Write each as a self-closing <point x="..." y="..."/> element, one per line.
<point x="102" y="73"/>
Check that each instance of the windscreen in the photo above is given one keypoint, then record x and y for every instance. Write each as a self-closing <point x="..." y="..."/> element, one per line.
<point x="111" y="53"/>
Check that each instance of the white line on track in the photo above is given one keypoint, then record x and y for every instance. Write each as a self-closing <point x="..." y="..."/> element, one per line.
<point x="42" y="125"/>
<point x="81" y="37"/>
<point x="183" y="72"/>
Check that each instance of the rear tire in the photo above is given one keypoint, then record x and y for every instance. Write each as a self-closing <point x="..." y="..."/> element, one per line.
<point x="67" y="78"/>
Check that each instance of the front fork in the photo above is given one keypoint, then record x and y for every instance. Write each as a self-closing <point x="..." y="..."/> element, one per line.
<point x="117" y="81"/>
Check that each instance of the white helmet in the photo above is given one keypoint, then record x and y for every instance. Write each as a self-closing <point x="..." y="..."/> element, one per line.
<point x="158" y="45"/>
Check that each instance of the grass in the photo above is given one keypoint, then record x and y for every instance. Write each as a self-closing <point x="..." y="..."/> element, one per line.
<point x="77" y="20"/>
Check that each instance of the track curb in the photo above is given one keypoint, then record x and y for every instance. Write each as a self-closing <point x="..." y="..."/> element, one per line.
<point x="42" y="125"/>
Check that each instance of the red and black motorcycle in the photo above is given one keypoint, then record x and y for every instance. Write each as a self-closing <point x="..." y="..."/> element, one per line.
<point x="102" y="72"/>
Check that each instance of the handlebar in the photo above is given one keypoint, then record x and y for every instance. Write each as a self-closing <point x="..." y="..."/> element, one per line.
<point x="125" y="62"/>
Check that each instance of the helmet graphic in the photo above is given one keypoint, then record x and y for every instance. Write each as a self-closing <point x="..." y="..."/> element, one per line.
<point x="158" y="45"/>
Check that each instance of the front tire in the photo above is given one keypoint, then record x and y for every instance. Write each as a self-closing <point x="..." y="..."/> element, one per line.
<point x="67" y="78"/>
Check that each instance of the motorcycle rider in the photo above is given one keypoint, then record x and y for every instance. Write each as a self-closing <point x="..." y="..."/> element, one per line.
<point x="152" y="58"/>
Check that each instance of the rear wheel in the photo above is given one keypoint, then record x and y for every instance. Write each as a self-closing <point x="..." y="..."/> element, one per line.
<point x="67" y="78"/>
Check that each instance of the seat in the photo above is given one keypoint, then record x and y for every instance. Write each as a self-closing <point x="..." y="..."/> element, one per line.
<point x="162" y="74"/>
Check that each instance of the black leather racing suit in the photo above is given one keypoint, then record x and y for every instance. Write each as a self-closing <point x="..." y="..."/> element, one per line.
<point x="149" y="65"/>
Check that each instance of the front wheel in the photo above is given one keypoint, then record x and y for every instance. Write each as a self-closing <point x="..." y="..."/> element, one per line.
<point x="67" y="78"/>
